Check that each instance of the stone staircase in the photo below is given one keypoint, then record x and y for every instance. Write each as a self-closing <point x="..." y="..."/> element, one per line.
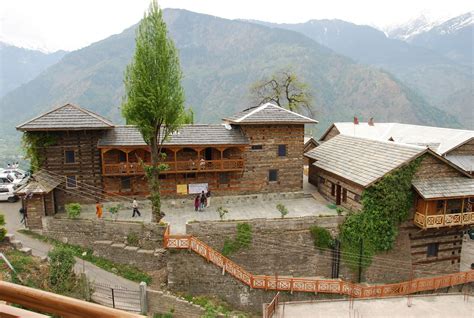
<point x="17" y="244"/>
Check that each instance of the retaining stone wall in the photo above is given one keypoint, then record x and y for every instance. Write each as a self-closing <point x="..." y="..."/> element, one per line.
<point x="85" y="232"/>
<point x="162" y="303"/>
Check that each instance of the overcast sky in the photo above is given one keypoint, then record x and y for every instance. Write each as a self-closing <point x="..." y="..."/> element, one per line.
<point x="71" y="24"/>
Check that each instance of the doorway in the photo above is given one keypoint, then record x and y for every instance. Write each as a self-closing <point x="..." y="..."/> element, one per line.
<point x="208" y="154"/>
<point x="338" y="194"/>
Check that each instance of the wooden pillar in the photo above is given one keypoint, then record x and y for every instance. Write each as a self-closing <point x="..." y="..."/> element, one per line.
<point x="444" y="212"/>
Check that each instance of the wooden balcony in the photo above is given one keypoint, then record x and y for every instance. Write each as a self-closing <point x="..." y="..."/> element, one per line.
<point x="127" y="168"/>
<point x="443" y="220"/>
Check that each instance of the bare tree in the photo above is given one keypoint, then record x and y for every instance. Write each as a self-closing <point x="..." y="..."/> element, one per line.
<point x="284" y="89"/>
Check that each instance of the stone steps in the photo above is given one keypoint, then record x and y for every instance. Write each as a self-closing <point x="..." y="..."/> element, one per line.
<point x="9" y="237"/>
<point x="16" y="244"/>
<point x="26" y="250"/>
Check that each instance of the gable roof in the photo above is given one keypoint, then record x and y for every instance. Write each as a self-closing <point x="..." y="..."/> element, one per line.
<point x="360" y="160"/>
<point x="439" y="139"/>
<point x="186" y="135"/>
<point x="40" y="183"/>
<point x="445" y="187"/>
<point x="268" y="114"/>
<point x="66" y="117"/>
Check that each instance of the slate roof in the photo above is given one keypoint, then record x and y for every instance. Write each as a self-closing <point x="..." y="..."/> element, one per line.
<point x="444" y="187"/>
<point x="41" y="182"/>
<point x="187" y="135"/>
<point x="268" y="113"/>
<point x="360" y="160"/>
<point x="465" y="162"/>
<point x="67" y="117"/>
<point x="439" y="139"/>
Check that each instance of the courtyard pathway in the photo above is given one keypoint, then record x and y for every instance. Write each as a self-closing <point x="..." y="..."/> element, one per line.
<point x="41" y="249"/>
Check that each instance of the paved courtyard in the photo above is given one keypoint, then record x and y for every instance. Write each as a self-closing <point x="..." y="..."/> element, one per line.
<point x="433" y="306"/>
<point x="180" y="211"/>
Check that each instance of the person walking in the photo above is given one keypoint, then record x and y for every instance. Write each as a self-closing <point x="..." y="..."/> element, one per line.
<point x="98" y="210"/>
<point x="197" y="202"/>
<point x="203" y="200"/>
<point x="24" y="215"/>
<point x="135" y="208"/>
<point x="208" y="198"/>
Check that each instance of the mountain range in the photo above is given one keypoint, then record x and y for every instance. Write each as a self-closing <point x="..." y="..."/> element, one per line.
<point x="19" y="65"/>
<point x="433" y="62"/>
<point x="222" y="58"/>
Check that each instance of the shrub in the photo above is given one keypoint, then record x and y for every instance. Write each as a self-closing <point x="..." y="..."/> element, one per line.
<point x="222" y="212"/>
<point x="132" y="239"/>
<point x="3" y="231"/>
<point x="339" y="210"/>
<point x="114" y="209"/>
<point x="243" y="239"/>
<point x="61" y="272"/>
<point x="282" y="209"/>
<point x="73" y="210"/>
<point x="321" y="237"/>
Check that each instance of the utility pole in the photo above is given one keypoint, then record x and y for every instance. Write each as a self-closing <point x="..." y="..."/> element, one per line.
<point x="360" y="258"/>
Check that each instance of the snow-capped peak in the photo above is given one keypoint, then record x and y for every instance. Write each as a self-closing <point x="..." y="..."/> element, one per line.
<point x="411" y="28"/>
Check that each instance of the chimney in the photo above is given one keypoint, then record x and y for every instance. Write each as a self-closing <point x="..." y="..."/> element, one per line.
<point x="356" y="120"/>
<point x="371" y="121"/>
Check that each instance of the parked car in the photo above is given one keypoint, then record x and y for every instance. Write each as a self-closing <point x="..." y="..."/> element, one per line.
<point x="7" y="179"/>
<point x="16" y="174"/>
<point x="7" y="194"/>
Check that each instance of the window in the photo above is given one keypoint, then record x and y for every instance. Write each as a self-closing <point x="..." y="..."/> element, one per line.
<point x="333" y="189"/>
<point x="257" y="147"/>
<point x="125" y="184"/>
<point x="191" y="176"/>
<point x="122" y="156"/>
<point x="432" y="249"/>
<point x="272" y="175"/>
<point x="71" y="182"/>
<point x="69" y="156"/>
<point x="162" y="176"/>
<point x="224" y="178"/>
<point x="356" y="197"/>
<point x="344" y="195"/>
<point x="282" y="150"/>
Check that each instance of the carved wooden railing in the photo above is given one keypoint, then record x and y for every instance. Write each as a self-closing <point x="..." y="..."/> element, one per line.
<point x="332" y="286"/>
<point x="176" y="166"/>
<point x="442" y="220"/>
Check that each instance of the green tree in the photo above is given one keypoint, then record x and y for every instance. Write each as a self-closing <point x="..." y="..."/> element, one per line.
<point x="61" y="272"/>
<point x="285" y="89"/>
<point x="154" y="97"/>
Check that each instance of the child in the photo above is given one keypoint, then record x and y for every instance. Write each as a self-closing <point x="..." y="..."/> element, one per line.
<point x="197" y="201"/>
<point x="98" y="210"/>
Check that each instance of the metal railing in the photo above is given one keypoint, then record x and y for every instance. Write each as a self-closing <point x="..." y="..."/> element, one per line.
<point x="51" y="303"/>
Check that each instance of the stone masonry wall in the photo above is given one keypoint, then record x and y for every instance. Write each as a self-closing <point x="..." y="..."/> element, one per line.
<point x="163" y="303"/>
<point x="85" y="232"/>
<point x="279" y="246"/>
<point x="258" y="162"/>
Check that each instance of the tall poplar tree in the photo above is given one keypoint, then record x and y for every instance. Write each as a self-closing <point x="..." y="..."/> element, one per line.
<point x="154" y="97"/>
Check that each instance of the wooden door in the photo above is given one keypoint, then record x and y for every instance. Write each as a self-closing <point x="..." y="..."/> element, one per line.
<point x="338" y="194"/>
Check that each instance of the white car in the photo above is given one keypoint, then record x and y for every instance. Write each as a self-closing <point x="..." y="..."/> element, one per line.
<point x="7" y="194"/>
<point x="7" y="179"/>
<point x="16" y="174"/>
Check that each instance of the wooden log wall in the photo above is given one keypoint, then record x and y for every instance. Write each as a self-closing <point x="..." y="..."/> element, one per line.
<point x="87" y="165"/>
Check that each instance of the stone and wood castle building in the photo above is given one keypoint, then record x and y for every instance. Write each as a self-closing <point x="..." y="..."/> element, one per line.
<point x="343" y="166"/>
<point x="258" y="150"/>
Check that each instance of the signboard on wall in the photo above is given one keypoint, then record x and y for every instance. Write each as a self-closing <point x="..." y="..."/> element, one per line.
<point x="182" y="188"/>
<point x="198" y="187"/>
